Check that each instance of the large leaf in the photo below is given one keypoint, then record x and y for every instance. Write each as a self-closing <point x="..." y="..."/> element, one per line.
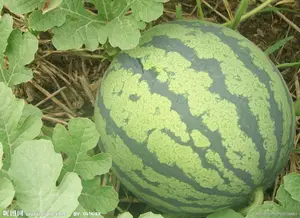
<point x="81" y="137"/>
<point x="286" y="201"/>
<point x="267" y="210"/>
<point x="292" y="185"/>
<point x="23" y="6"/>
<point x="227" y="213"/>
<point x="6" y="27"/>
<point x="18" y="122"/>
<point x="19" y="52"/>
<point x="80" y="212"/>
<point x="35" y="168"/>
<point x="74" y="26"/>
<point x="125" y="215"/>
<point x="7" y="193"/>
<point x="152" y="215"/>
<point x="1" y="155"/>
<point x="96" y="198"/>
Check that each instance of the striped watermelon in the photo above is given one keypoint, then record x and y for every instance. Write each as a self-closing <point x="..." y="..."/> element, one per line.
<point x="195" y="118"/>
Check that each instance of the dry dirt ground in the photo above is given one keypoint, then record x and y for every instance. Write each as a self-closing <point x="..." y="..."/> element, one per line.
<point x="65" y="82"/>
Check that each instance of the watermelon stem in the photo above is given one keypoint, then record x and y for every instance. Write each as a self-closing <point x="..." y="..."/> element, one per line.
<point x="240" y="11"/>
<point x="257" y="199"/>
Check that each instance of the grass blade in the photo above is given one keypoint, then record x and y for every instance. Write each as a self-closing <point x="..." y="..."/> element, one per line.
<point x="286" y="65"/>
<point x="240" y="11"/>
<point x="179" y="11"/>
<point x="278" y="45"/>
<point x="200" y="11"/>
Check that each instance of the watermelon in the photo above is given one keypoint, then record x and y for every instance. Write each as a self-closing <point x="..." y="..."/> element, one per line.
<point x="196" y="118"/>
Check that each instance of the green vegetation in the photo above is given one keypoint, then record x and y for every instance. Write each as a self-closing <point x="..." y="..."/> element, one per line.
<point x="53" y="54"/>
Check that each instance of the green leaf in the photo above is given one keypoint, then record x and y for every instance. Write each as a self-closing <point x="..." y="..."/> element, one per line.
<point x="227" y="213"/>
<point x="1" y="6"/>
<point x="126" y="27"/>
<point x="74" y="26"/>
<point x="291" y="184"/>
<point x="286" y="200"/>
<point x="20" y="51"/>
<point x="18" y="122"/>
<point x="81" y="137"/>
<point x="150" y="215"/>
<point x="278" y="45"/>
<point x="7" y="193"/>
<point x="23" y="6"/>
<point x="1" y="155"/>
<point x="6" y="26"/>
<point x="97" y="198"/>
<point x="80" y="212"/>
<point x="125" y="215"/>
<point x="147" y="10"/>
<point x="52" y="5"/>
<point x="267" y="210"/>
<point x="43" y="22"/>
<point x="35" y="168"/>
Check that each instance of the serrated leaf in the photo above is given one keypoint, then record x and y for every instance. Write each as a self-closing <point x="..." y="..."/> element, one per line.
<point x="77" y="27"/>
<point x="227" y="213"/>
<point x="81" y="137"/>
<point x="97" y="198"/>
<point x="6" y="27"/>
<point x="108" y="10"/>
<point x="43" y="22"/>
<point x="286" y="200"/>
<point x="18" y="122"/>
<point x="74" y="33"/>
<point x="125" y="215"/>
<point x="20" y="51"/>
<point x="267" y="210"/>
<point x="147" y="10"/>
<point x="124" y="33"/>
<point x="23" y="6"/>
<point x="49" y="5"/>
<point x="151" y="215"/>
<point x="291" y="184"/>
<point x="7" y="193"/>
<point x="35" y="168"/>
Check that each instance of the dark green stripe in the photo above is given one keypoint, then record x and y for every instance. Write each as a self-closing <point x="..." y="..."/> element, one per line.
<point x="201" y="152"/>
<point x="180" y="105"/>
<point x="276" y="115"/>
<point x="244" y="56"/>
<point x="148" y="158"/>
<point x="171" y="201"/>
<point x="247" y="120"/>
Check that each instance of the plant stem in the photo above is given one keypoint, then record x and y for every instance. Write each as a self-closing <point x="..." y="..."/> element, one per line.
<point x="297" y="107"/>
<point x="179" y="11"/>
<point x="199" y="9"/>
<point x="240" y="11"/>
<point x="258" y="199"/>
<point x="252" y="12"/>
